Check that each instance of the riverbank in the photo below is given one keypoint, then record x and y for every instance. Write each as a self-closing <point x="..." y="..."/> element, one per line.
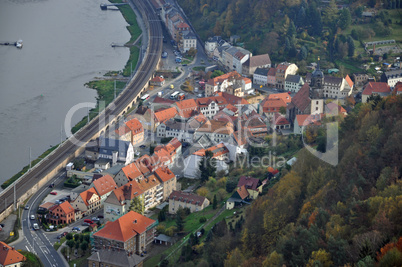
<point x="104" y="87"/>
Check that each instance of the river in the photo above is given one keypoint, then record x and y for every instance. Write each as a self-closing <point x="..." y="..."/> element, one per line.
<point x="65" y="44"/>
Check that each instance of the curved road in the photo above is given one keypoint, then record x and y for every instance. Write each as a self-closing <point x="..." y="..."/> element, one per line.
<point x="68" y="148"/>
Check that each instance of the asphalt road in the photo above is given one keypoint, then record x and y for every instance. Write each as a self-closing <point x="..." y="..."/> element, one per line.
<point x="68" y="148"/>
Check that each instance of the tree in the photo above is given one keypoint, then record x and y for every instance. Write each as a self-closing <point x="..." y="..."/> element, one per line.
<point x="84" y="246"/>
<point x="207" y="166"/>
<point x="274" y="259"/>
<point x="320" y="257"/>
<point x="282" y="110"/>
<point x="230" y="185"/>
<point x="351" y="47"/>
<point x="70" y="243"/>
<point x="162" y="216"/>
<point x="179" y="221"/>
<point x="235" y="258"/>
<point x="192" y="52"/>
<point x="291" y="30"/>
<point x="345" y="19"/>
<point x="69" y="236"/>
<point x="202" y="191"/>
<point x="217" y="73"/>
<point x="331" y="12"/>
<point x="215" y="203"/>
<point x="303" y="53"/>
<point x="137" y="205"/>
<point x="79" y="163"/>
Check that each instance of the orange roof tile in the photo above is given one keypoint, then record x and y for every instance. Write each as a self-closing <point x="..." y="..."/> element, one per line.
<point x="9" y="256"/>
<point x="284" y="96"/>
<point x="214" y="126"/>
<point x="164" y="173"/>
<point x="220" y="79"/>
<point x="273" y="105"/>
<point x="165" y="114"/>
<point x="122" y="130"/>
<point x="131" y="171"/>
<point x="242" y="191"/>
<point x="104" y="184"/>
<point x="376" y="87"/>
<point x="127" y="192"/>
<point x="125" y="227"/>
<point x="187" y="108"/>
<point x="348" y="80"/>
<point x="135" y="126"/>
<point x="308" y="119"/>
<point x="87" y="195"/>
<point x="65" y="207"/>
<point x="218" y="150"/>
<point x="147" y="183"/>
<point x="157" y="79"/>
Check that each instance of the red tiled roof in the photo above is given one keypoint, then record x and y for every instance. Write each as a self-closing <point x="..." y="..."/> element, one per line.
<point x="232" y="108"/>
<point x="214" y="126"/>
<point x="349" y="81"/>
<point x="248" y="182"/>
<point x="302" y="98"/>
<point x="164" y="173"/>
<point x="398" y="87"/>
<point x="232" y="99"/>
<point x="161" y="100"/>
<point x="9" y="256"/>
<point x="165" y="114"/>
<point x="182" y="25"/>
<point x="127" y="192"/>
<point x="280" y="119"/>
<point x="135" y="126"/>
<point x="125" y="227"/>
<point x="104" y="184"/>
<point x="65" y="207"/>
<point x="220" y="79"/>
<point x="307" y="119"/>
<point x="187" y="108"/>
<point x="187" y="198"/>
<point x="87" y="195"/>
<point x="335" y="108"/>
<point x="122" y="130"/>
<point x="242" y="191"/>
<point x="218" y="150"/>
<point x="131" y="171"/>
<point x="157" y="79"/>
<point x="273" y="105"/>
<point x="272" y="72"/>
<point x="284" y="96"/>
<point x="376" y="87"/>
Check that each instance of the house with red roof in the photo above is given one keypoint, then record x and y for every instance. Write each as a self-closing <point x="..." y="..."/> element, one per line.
<point x="61" y="214"/>
<point x="375" y="88"/>
<point x="228" y="82"/>
<point x="335" y="109"/>
<point x="186" y="108"/>
<point x="252" y="122"/>
<point x="157" y="81"/>
<point x="300" y="103"/>
<point x="284" y="96"/>
<point x="272" y="106"/>
<point x="239" y="196"/>
<point x="168" y="180"/>
<point x="10" y="257"/>
<point x="119" y="201"/>
<point x="398" y="88"/>
<point x="306" y="120"/>
<point x="180" y="199"/>
<point x="104" y="186"/>
<point x="254" y="62"/>
<point x="279" y="122"/>
<point x="271" y="77"/>
<point x="253" y="186"/>
<point x="282" y="71"/>
<point x="127" y="174"/>
<point x="87" y="202"/>
<point x="136" y="131"/>
<point x="216" y="130"/>
<point x="131" y="233"/>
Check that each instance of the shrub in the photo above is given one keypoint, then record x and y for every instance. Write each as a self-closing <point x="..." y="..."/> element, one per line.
<point x="203" y="219"/>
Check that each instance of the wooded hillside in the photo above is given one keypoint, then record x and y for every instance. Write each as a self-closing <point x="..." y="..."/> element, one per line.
<point x="321" y="215"/>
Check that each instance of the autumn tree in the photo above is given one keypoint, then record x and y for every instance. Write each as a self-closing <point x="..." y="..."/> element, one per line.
<point x="207" y="166"/>
<point x="137" y="205"/>
<point x="320" y="257"/>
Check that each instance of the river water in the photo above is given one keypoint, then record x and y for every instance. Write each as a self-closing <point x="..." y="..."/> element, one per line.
<point x="66" y="44"/>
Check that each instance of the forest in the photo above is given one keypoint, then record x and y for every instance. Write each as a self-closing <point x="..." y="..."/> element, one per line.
<point x="298" y="30"/>
<point x="323" y="215"/>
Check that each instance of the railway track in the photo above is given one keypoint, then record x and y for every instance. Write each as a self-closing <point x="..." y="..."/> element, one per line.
<point x="125" y="99"/>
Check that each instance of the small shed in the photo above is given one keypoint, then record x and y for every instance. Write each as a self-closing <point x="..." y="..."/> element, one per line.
<point x="163" y="239"/>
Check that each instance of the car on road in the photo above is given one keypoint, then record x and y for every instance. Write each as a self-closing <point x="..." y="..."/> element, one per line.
<point x="53" y="193"/>
<point x="2" y="225"/>
<point x="184" y="65"/>
<point x="142" y="146"/>
<point x="35" y="226"/>
<point x="32" y="217"/>
<point x="51" y="185"/>
<point x="26" y="207"/>
<point x="76" y="229"/>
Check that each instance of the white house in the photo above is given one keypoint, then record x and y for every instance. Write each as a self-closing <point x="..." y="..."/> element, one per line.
<point x="293" y="83"/>
<point x="260" y="76"/>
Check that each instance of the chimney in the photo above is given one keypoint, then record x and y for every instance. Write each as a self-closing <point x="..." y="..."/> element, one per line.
<point x="135" y="221"/>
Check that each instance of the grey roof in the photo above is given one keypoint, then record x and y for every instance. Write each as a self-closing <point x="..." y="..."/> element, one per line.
<point x="261" y="71"/>
<point x="189" y="35"/>
<point x="293" y="78"/>
<point x="163" y="238"/>
<point x="393" y="74"/>
<point x="332" y="80"/>
<point x="215" y="39"/>
<point x="116" y="258"/>
<point x="258" y="61"/>
<point x="114" y="170"/>
<point x="107" y="146"/>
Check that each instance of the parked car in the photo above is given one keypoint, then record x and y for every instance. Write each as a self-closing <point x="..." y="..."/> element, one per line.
<point x="88" y="221"/>
<point x="60" y="236"/>
<point x="2" y="225"/>
<point x="100" y="216"/>
<point x="53" y="193"/>
<point x="65" y="233"/>
<point x="142" y="146"/>
<point x="85" y="224"/>
<point x="51" y="185"/>
<point x="95" y="219"/>
<point x="76" y="229"/>
<point x="27" y="207"/>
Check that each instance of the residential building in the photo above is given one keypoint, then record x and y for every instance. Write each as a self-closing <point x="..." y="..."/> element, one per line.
<point x="334" y="109"/>
<point x="87" y="202"/>
<point x="220" y="153"/>
<point x="104" y="186"/>
<point x="238" y="197"/>
<point x="221" y="83"/>
<point x="317" y="106"/>
<point x="115" y="258"/>
<point x="234" y="57"/>
<point x="183" y="131"/>
<point x="293" y="83"/>
<point x="127" y="174"/>
<point x="186" y="108"/>
<point x="260" y="76"/>
<point x="164" y="115"/>
<point x="375" y="88"/>
<point x="215" y="130"/>
<point x="253" y="186"/>
<point x="157" y="81"/>
<point x="168" y="179"/>
<point x="189" y="40"/>
<point x="153" y="191"/>
<point x="254" y="62"/>
<point x="304" y="120"/>
<point x="179" y="199"/>
<point x="272" y="106"/>
<point x="328" y="86"/>
<point x="253" y="122"/>
<point x="398" y="88"/>
<point x="209" y="106"/>
<point x="279" y="122"/>
<point x="360" y="78"/>
<point x="282" y="71"/>
<point x="119" y="201"/>
<point x="212" y="43"/>
<point x="230" y="99"/>
<point x="392" y="77"/>
<point x="61" y="214"/>
<point x="10" y="257"/>
<point x="136" y="131"/>
<point x="131" y="233"/>
<point x="284" y="96"/>
<point x="271" y="77"/>
<point x="300" y="104"/>
<point x="116" y="150"/>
